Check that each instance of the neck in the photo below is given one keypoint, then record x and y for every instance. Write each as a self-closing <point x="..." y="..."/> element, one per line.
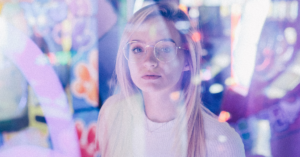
<point x="160" y="107"/>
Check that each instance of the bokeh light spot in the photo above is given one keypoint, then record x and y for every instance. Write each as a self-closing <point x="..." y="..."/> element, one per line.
<point x="183" y="8"/>
<point x="63" y="57"/>
<point x="206" y="74"/>
<point x="175" y="96"/>
<point x="196" y="79"/>
<point x="196" y="36"/>
<point x="229" y="81"/>
<point x="222" y="138"/>
<point x="66" y="43"/>
<point x="290" y="35"/>
<point x="182" y="25"/>
<point x="216" y="88"/>
<point x="224" y="116"/>
<point x="31" y="21"/>
<point x="194" y="13"/>
<point x="42" y="20"/>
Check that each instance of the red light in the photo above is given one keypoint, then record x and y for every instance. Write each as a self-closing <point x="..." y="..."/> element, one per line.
<point x="196" y="36"/>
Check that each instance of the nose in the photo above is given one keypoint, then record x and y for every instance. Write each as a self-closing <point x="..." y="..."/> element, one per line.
<point x="150" y="59"/>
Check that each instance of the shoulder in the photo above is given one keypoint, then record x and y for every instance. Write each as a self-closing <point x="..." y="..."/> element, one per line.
<point x="110" y="110"/>
<point x="111" y="106"/>
<point x="221" y="138"/>
<point x="107" y="116"/>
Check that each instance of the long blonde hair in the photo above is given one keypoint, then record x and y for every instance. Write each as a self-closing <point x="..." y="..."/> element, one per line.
<point x="195" y="132"/>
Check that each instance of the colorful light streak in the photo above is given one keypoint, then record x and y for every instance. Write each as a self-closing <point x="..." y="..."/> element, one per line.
<point x="244" y="43"/>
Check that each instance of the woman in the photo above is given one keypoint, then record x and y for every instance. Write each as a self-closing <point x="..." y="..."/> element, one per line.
<point x="159" y="111"/>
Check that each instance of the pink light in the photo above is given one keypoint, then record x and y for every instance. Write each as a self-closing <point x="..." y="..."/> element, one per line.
<point x="52" y="58"/>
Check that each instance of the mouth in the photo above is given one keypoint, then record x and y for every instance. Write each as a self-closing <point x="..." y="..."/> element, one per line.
<point x="151" y="77"/>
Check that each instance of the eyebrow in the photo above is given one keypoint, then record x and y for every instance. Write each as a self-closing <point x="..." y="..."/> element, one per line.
<point x="166" y="39"/>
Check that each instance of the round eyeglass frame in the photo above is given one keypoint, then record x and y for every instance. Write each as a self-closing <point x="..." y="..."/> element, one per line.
<point x="177" y="47"/>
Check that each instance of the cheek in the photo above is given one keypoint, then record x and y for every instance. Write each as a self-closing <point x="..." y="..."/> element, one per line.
<point x="174" y="70"/>
<point x="175" y="65"/>
<point x="133" y="71"/>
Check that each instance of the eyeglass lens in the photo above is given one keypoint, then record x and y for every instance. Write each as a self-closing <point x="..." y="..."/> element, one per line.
<point x="164" y="51"/>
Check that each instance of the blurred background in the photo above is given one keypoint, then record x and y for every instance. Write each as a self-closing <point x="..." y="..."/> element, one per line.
<point x="57" y="59"/>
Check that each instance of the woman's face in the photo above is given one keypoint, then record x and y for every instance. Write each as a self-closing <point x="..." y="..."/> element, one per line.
<point x="149" y="74"/>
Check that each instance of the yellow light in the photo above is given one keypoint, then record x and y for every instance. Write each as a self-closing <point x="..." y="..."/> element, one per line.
<point x="183" y="8"/>
<point x="229" y="81"/>
<point x="66" y="38"/>
<point x="66" y="43"/>
<point x="1" y="6"/>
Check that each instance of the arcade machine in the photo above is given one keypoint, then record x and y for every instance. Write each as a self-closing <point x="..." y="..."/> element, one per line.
<point x="263" y="97"/>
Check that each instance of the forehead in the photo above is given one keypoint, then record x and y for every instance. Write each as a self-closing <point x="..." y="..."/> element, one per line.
<point x="156" y="29"/>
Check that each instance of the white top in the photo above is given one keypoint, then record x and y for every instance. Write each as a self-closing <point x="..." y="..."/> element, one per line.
<point x="221" y="139"/>
<point x="159" y="138"/>
<point x="123" y="134"/>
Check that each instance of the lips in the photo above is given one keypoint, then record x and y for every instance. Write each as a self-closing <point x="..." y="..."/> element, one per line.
<point x="151" y="77"/>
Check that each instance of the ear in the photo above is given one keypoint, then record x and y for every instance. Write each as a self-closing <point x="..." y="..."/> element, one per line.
<point x="186" y="66"/>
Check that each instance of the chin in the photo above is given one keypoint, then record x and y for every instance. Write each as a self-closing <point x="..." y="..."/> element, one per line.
<point x="149" y="89"/>
<point x="157" y="88"/>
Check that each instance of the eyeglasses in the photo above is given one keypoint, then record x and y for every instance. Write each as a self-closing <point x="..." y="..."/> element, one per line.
<point x="164" y="50"/>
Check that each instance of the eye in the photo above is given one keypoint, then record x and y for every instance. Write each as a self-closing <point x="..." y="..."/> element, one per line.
<point x="136" y="50"/>
<point x="166" y="49"/>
